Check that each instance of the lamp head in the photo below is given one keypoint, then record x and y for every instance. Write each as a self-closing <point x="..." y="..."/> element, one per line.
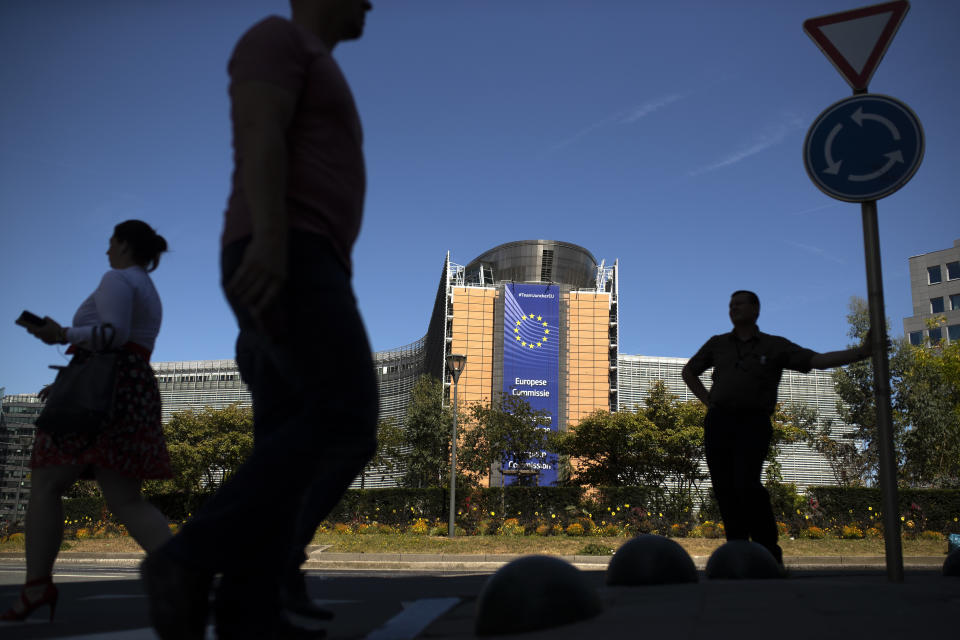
<point x="456" y="363"/>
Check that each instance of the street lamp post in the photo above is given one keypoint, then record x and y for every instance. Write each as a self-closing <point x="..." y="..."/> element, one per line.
<point x="455" y="365"/>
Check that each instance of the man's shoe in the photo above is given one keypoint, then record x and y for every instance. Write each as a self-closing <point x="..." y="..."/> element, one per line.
<point x="179" y="598"/>
<point x="295" y="599"/>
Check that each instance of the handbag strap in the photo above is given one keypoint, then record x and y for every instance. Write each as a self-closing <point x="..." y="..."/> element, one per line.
<point x="99" y="340"/>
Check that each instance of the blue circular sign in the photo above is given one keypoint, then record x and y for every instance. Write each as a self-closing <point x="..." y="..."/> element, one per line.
<point x="863" y="148"/>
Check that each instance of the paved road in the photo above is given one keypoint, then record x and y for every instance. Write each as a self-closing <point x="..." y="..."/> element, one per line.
<point x="107" y="603"/>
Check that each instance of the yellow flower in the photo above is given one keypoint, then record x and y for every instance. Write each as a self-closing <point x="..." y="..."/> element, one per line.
<point x="553" y="515"/>
<point x="493" y="513"/>
<point x="627" y="506"/>
<point x="869" y="508"/>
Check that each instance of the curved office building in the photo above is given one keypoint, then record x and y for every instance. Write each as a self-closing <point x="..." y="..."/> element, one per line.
<point x="536" y="319"/>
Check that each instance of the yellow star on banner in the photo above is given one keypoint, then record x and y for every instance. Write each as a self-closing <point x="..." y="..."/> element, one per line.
<point x="523" y="344"/>
<point x="544" y="338"/>
<point x="531" y="316"/>
<point x="516" y="330"/>
<point x="518" y="323"/>
<point x="518" y="337"/>
<point x="539" y="345"/>
<point x="539" y="318"/>
<point x="546" y="330"/>
<point x="544" y="324"/>
<point x="531" y="345"/>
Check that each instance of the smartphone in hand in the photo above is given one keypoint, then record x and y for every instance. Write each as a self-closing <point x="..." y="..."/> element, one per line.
<point x="28" y="319"/>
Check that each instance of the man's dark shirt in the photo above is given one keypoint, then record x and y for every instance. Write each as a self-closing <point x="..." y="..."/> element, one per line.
<point x="746" y="374"/>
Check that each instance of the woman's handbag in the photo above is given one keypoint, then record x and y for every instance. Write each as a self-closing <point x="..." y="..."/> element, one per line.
<point x="80" y="400"/>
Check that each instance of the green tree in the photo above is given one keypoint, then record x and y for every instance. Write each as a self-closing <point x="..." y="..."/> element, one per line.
<point x="504" y="431"/>
<point x="679" y="427"/>
<point x="840" y="450"/>
<point x="207" y="446"/>
<point x="427" y="430"/>
<point x="612" y="449"/>
<point x="855" y="387"/>
<point x="389" y="454"/>
<point x="928" y="400"/>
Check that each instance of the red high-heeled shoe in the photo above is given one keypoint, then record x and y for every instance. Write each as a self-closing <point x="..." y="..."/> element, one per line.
<point x="48" y="597"/>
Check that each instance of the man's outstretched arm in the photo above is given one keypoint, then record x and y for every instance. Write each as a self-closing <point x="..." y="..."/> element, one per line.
<point x="833" y="359"/>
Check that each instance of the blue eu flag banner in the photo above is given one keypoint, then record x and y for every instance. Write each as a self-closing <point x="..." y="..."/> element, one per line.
<point x="531" y="363"/>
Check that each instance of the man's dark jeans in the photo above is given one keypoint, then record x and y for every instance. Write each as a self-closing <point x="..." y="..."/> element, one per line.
<point x="315" y="412"/>
<point x="736" y="446"/>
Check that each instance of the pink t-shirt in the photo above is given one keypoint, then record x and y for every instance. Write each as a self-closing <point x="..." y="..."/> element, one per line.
<point x="326" y="177"/>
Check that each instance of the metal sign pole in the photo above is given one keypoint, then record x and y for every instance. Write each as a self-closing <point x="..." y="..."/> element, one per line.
<point x="881" y="385"/>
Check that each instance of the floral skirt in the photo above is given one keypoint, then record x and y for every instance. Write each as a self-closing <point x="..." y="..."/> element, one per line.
<point x="131" y="443"/>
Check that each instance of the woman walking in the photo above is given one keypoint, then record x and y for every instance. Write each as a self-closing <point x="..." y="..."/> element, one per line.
<point x="130" y="447"/>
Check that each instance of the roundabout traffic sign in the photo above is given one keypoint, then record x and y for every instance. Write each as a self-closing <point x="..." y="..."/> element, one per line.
<point x="863" y="148"/>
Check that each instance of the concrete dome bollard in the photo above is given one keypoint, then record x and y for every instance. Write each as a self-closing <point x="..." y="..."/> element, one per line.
<point x="534" y="592"/>
<point x="650" y="559"/>
<point x="951" y="566"/>
<point x="742" y="560"/>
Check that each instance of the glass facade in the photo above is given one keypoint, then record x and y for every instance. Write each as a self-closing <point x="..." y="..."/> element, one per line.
<point x="800" y="464"/>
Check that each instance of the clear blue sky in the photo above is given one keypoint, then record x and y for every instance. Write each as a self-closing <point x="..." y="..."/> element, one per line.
<point x="666" y="135"/>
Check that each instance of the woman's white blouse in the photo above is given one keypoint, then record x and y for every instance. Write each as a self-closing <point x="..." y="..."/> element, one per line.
<point x="127" y="299"/>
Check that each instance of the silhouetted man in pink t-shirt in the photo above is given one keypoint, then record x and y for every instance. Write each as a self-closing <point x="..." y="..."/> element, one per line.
<point x="292" y="218"/>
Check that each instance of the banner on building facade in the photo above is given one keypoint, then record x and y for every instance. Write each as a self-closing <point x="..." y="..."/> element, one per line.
<point x="531" y="364"/>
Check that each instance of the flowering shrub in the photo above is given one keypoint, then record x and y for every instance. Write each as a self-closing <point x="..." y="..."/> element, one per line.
<point x="575" y="529"/>
<point x="812" y="533"/>
<point x="484" y="527"/>
<point x="420" y="527"/>
<point x="931" y="535"/>
<point x="544" y="530"/>
<point x="511" y="527"/>
<point x="675" y="530"/>
<point x="342" y="529"/>
<point x="610" y="530"/>
<point x="850" y="532"/>
<point x="707" y="529"/>
<point x="873" y="532"/>
<point x="782" y="528"/>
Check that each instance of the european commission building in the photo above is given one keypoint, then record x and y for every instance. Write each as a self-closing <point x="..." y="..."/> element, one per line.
<point x="540" y="313"/>
<point x="537" y="319"/>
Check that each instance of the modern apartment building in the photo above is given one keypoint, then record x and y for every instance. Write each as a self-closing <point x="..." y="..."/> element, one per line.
<point x="935" y="292"/>
<point x="17" y="416"/>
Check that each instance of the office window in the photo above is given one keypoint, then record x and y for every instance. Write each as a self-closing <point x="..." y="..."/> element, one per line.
<point x="916" y="338"/>
<point x="936" y="305"/>
<point x="953" y="270"/>
<point x="955" y="302"/>
<point x="936" y="335"/>
<point x="933" y="275"/>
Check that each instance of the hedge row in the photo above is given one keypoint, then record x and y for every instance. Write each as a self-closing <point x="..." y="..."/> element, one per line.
<point x="935" y="509"/>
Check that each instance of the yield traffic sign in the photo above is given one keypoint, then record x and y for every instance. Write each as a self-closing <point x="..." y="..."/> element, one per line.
<point x="863" y="148"/>
<point x="856" y="40"/>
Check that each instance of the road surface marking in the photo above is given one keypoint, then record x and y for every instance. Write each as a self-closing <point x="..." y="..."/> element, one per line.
<point x="415" y="617"/>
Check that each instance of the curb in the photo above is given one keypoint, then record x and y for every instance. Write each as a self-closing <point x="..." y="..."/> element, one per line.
<point x="481" y="562"/>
